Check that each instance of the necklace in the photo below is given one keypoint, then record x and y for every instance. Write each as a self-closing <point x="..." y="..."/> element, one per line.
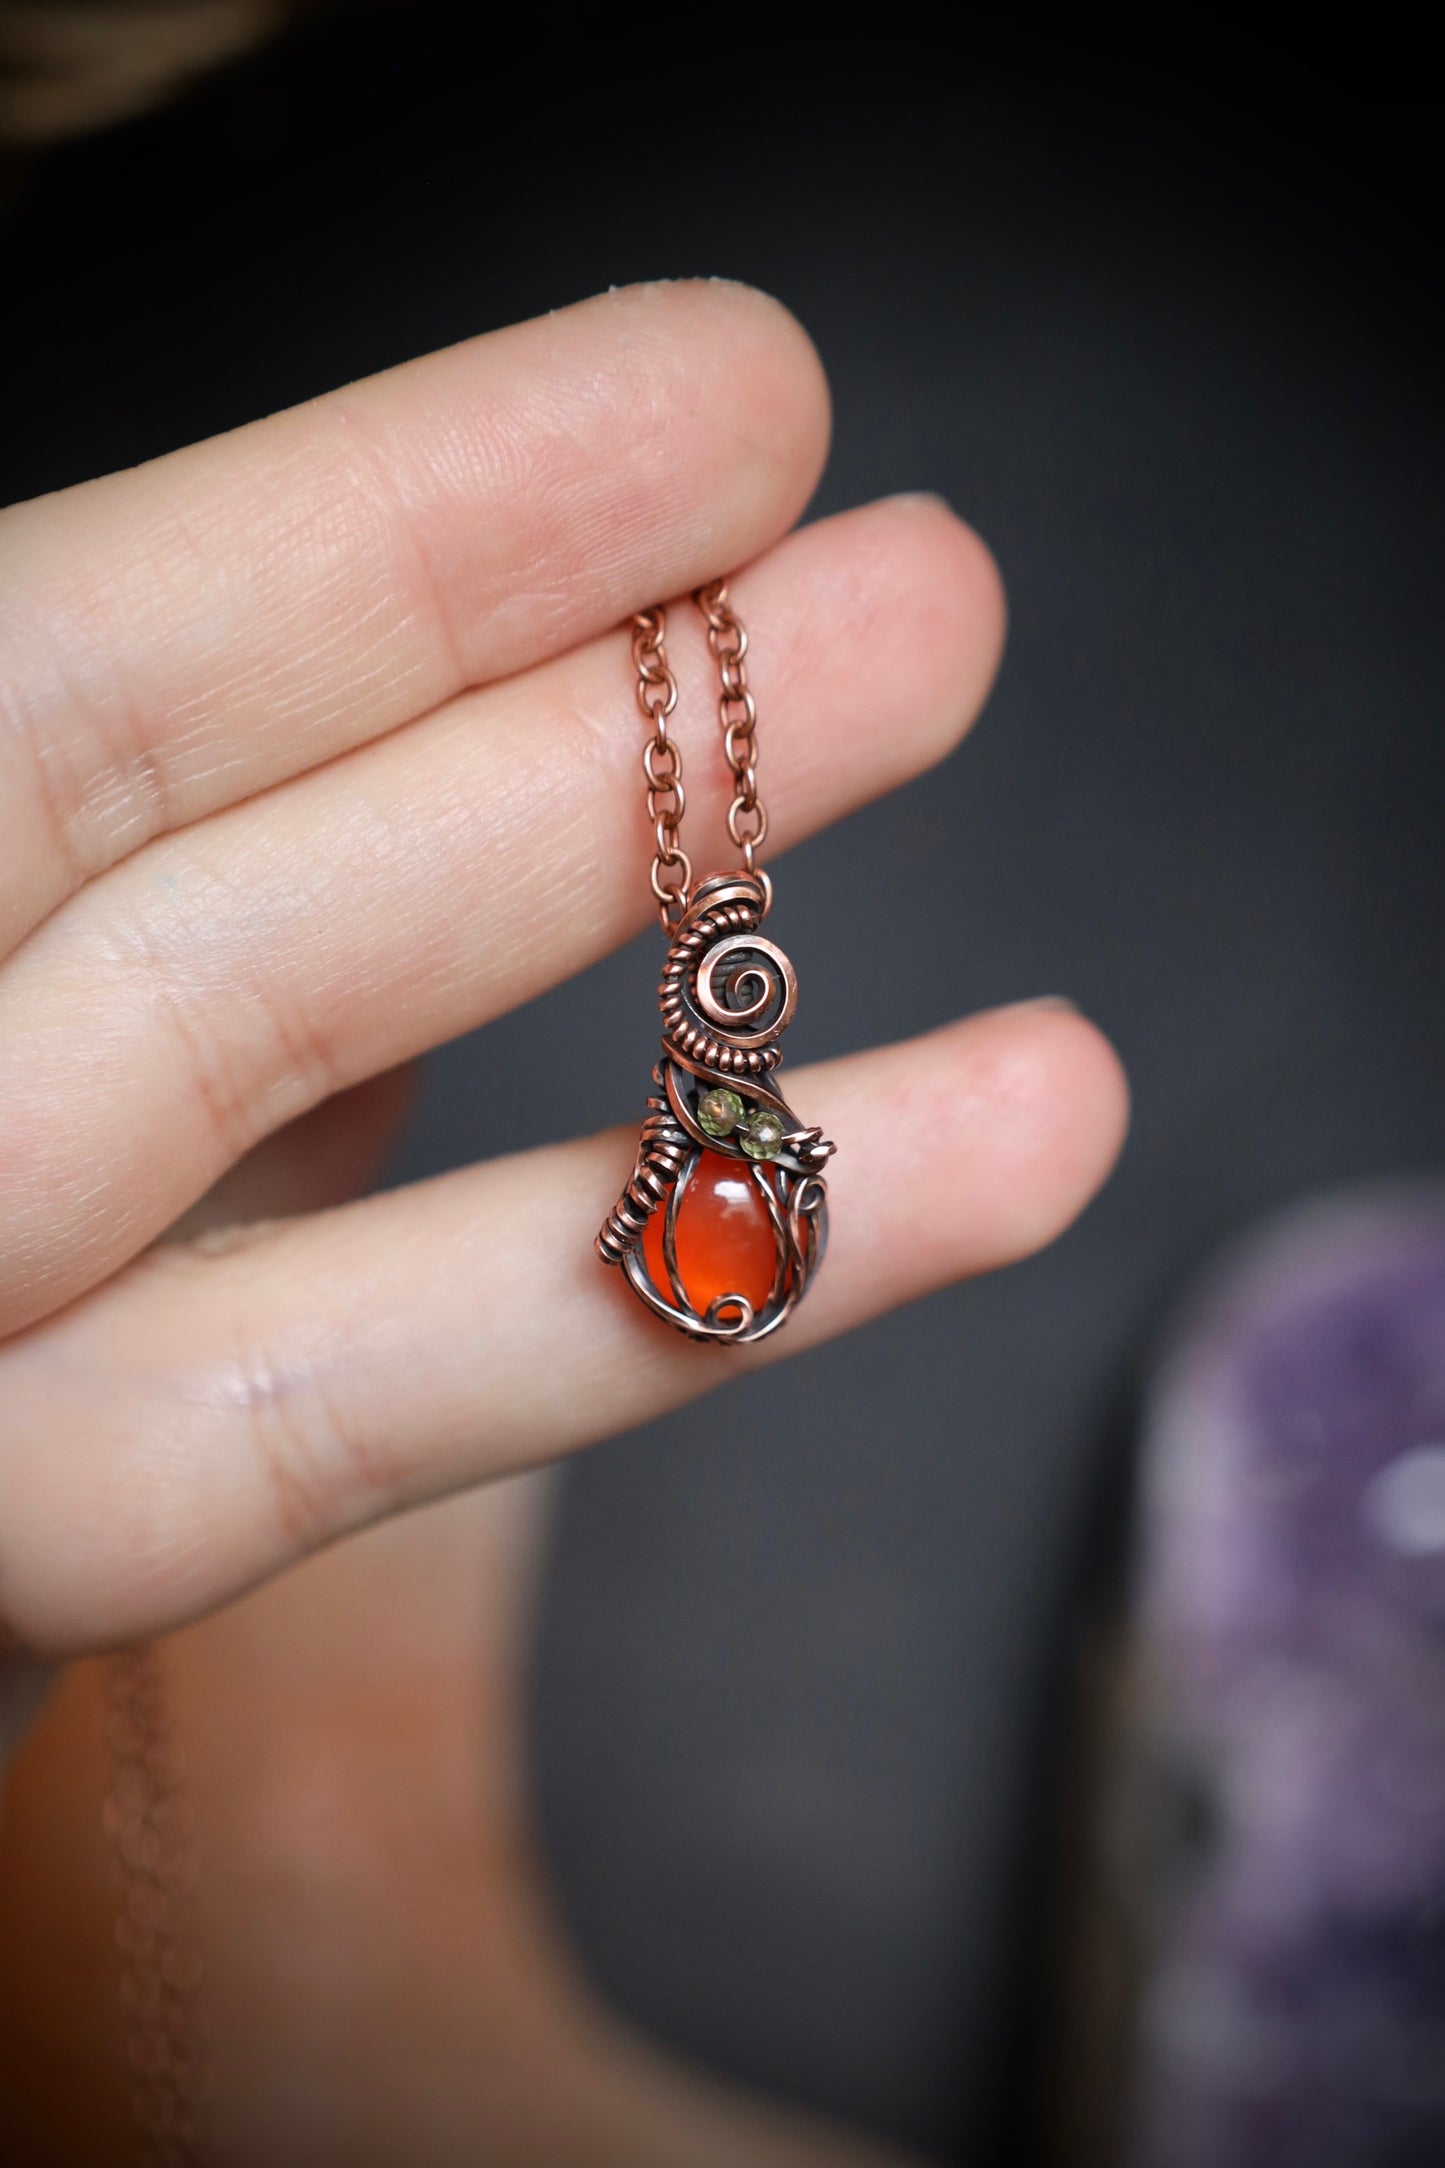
<point x="724" y="1220"/>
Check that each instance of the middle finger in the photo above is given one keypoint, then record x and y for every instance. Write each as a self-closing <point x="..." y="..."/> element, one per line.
<point x="228" y="977"/>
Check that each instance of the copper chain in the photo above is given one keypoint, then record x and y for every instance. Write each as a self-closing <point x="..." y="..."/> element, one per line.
<point x="148" y="1826"/>
<point x="662" y="757"/>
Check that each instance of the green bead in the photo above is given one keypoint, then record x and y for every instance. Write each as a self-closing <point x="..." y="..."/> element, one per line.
<point x="719" y="1111"/>
<point x="763" y="1137"/>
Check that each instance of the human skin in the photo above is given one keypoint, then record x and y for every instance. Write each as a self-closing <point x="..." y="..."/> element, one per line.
<point x="317" y="748"/>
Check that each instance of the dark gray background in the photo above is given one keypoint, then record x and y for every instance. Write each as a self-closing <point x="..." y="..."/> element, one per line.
<point x="798" y="1685"/>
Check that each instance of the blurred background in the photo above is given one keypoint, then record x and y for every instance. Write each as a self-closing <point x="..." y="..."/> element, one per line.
<point x="818" y="1691"/>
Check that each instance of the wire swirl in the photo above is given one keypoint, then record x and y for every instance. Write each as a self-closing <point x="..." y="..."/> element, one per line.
<point x="727" y="994"/>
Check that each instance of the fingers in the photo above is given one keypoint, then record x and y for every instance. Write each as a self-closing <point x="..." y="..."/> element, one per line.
<point x="175" y="638"/>
<point x="224" y="1407"/>
<point x="228" y="977"/>
<point x="324" y="1157"/>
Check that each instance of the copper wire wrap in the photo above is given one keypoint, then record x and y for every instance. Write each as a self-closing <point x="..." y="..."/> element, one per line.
<point x="661" y="1151"/>
<point x="727" y="996"/>
<point x="699" y="1026"/>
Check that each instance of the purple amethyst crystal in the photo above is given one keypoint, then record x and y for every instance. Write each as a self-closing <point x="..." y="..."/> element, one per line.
<point x="1292" y="1630"/>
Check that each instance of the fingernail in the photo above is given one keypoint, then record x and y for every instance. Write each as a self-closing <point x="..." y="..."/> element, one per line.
<point x="920" y="500"/>
<point x="1049" y="1001"/>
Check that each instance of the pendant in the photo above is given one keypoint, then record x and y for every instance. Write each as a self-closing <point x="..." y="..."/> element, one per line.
<point x="724" y="1221"/>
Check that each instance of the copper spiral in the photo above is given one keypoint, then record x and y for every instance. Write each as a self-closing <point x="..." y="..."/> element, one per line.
<point x="727" y="995"/>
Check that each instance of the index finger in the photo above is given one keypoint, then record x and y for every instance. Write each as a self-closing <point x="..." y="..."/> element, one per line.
<point x="176" y="638"/>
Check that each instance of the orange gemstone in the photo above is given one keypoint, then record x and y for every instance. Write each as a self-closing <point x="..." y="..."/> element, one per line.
<point x="725" y="1240"/>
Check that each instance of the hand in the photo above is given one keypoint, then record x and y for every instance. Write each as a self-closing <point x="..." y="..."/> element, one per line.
<point x="318" y="748"/>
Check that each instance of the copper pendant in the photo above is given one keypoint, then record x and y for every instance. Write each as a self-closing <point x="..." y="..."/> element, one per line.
<point x="723" y="1223"/>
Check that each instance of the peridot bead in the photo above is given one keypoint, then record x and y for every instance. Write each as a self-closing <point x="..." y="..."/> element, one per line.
<point x="763" y="1136"/>
<point x="719" y="1111"/>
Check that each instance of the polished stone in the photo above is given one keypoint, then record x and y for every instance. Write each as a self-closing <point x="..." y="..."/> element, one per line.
<point x="725" y="1239"/>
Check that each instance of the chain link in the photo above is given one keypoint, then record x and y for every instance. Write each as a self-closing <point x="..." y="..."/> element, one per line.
<point x="148" y="1827"/>
<point x="662" y="765"/>
<point x="747" y="819"/>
